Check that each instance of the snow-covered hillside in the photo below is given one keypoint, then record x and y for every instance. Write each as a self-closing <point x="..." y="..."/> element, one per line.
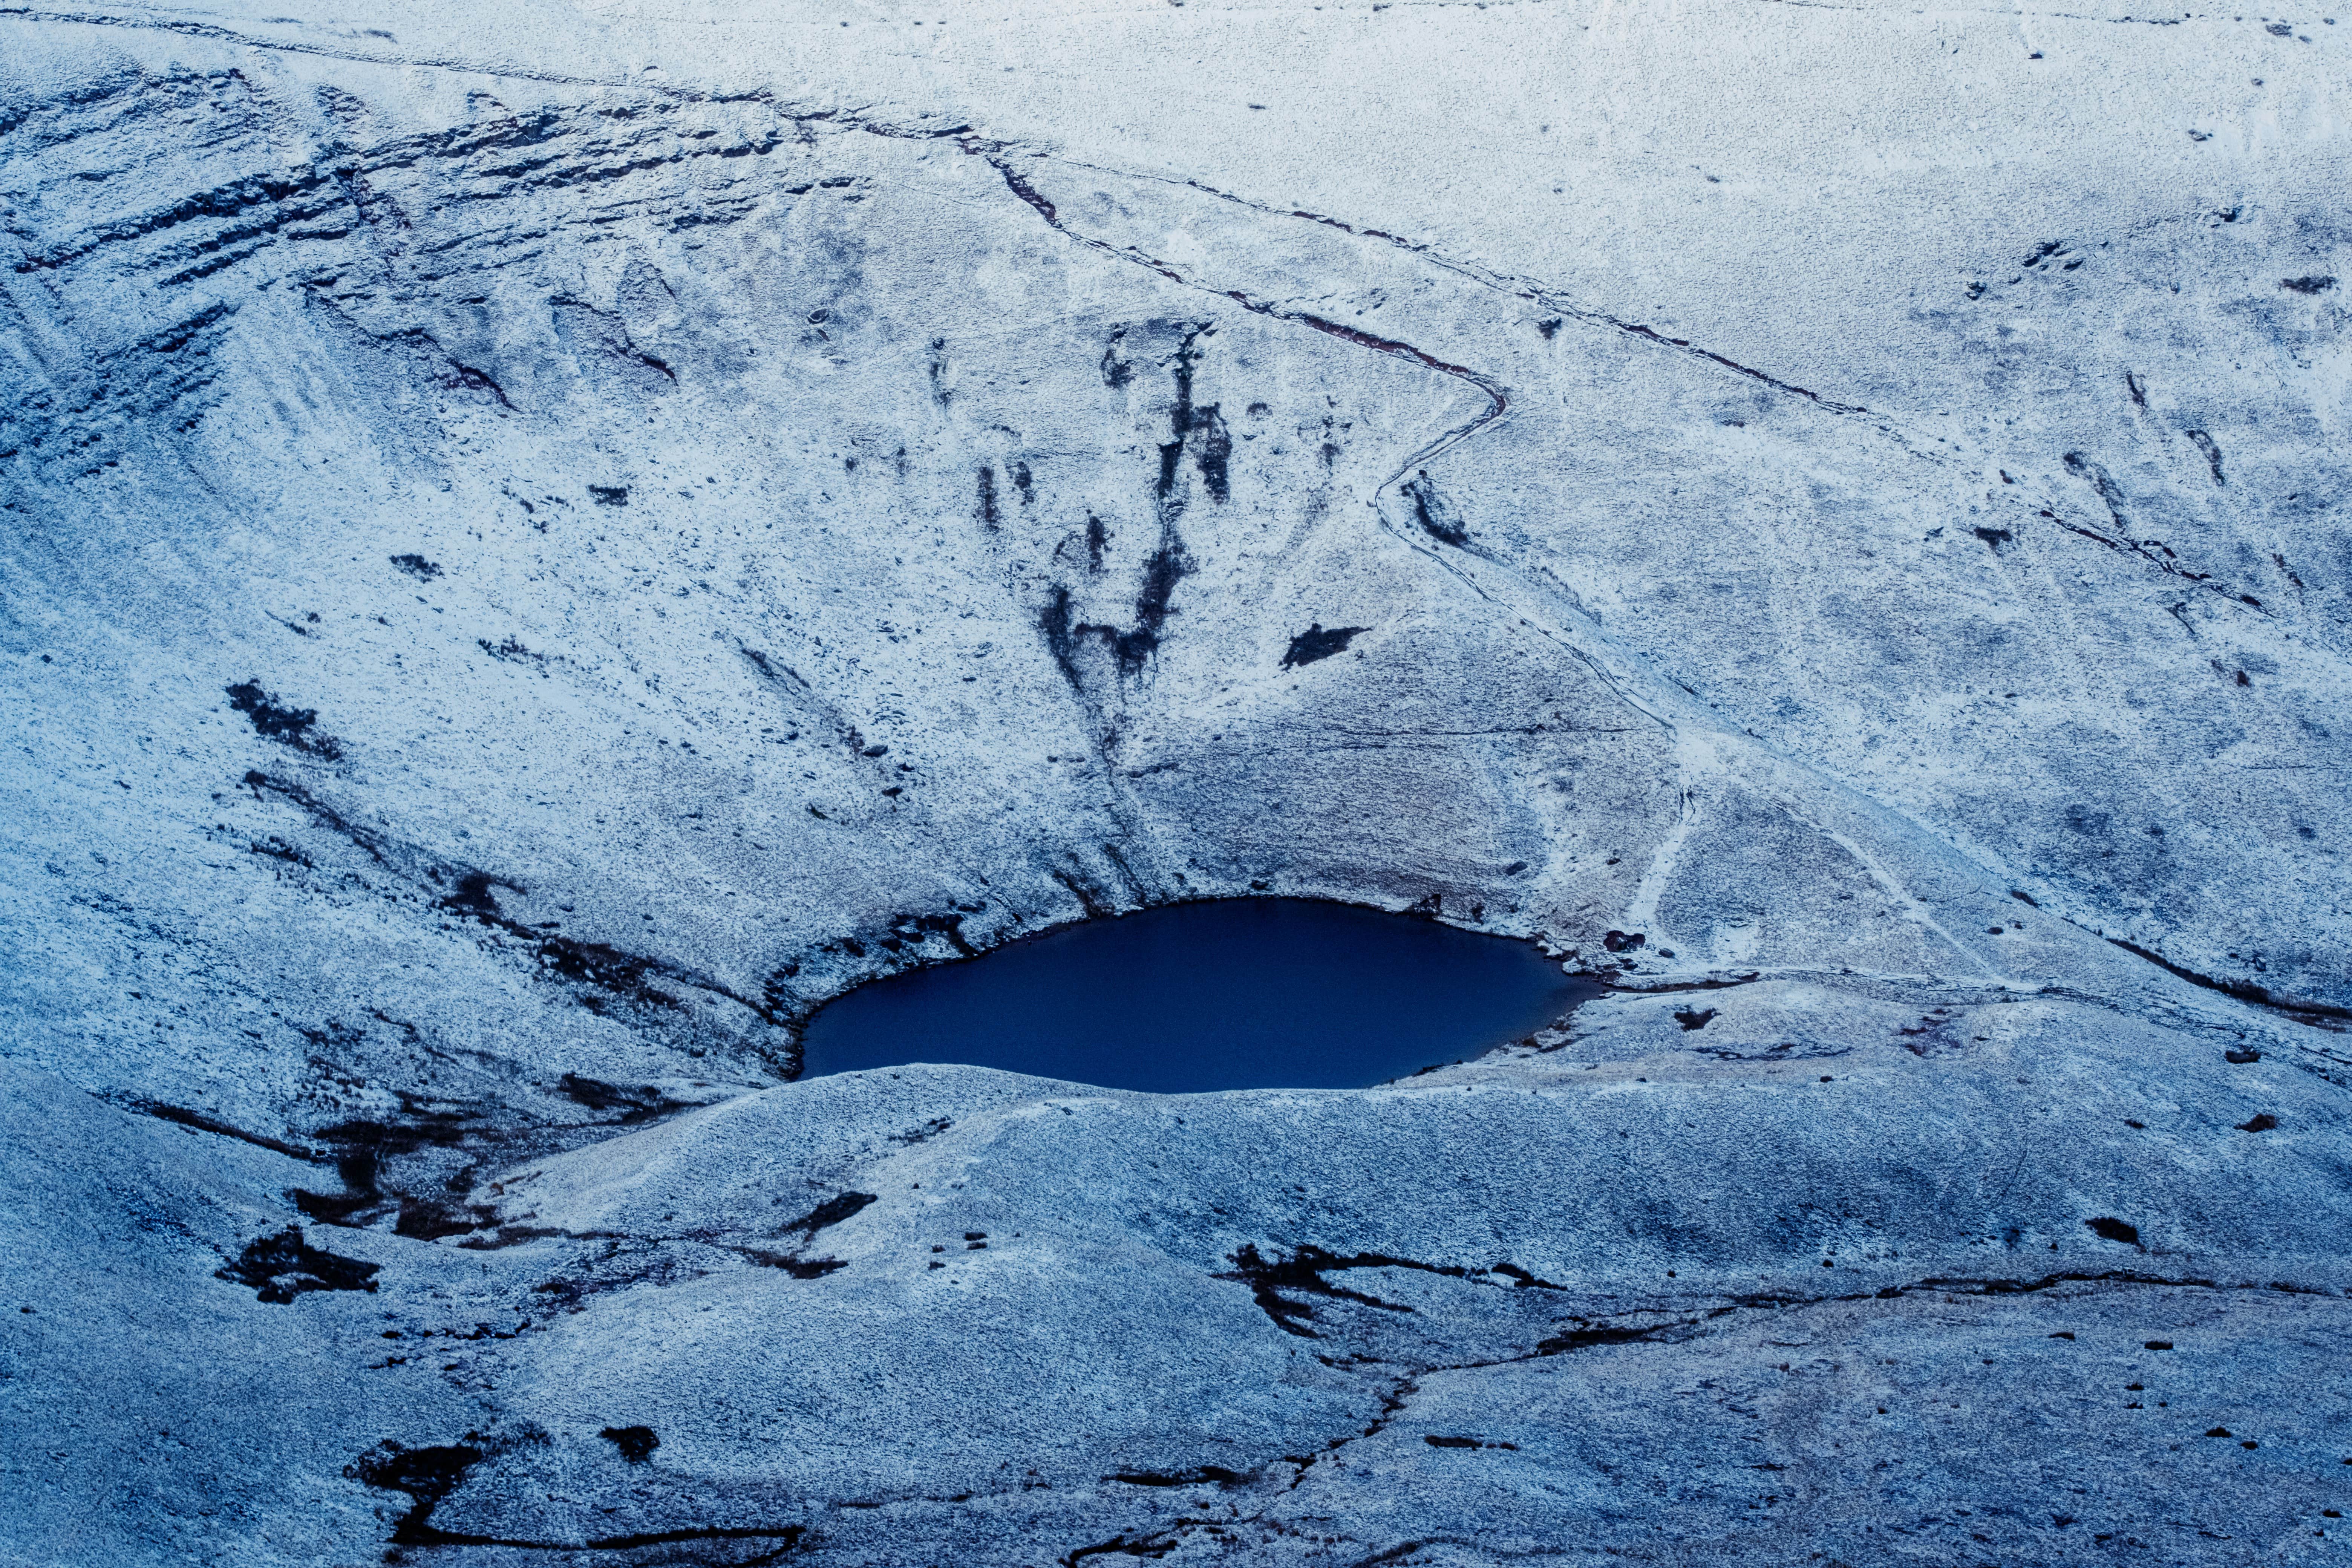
<point x="539" y="547"/>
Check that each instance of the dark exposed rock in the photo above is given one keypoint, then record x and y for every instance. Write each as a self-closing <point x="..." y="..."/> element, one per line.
<point x="282" y="1267"/>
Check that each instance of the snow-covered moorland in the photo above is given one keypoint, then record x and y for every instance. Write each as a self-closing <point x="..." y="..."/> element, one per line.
<point x="539" y="547"/>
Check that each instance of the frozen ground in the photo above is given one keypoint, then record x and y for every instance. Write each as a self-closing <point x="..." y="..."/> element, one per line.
<point x="539" y="547"/>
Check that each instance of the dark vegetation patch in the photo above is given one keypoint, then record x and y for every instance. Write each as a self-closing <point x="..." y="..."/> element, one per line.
<point x="2206" y="445"/>
<point x="1197" y="429"/>
<point x="636" y="1442"/>
<point x="938" y="369"/>
<point x="2154" y="552"/>
<point x="512" y="650"/>
<point x="612" y="970"/>
<point x="361" y="1146"/>
<point x="636" y="1103"/>
<point x="1198" y="1476"/>
<point x="437" y="1148"/>
<point x="608" y="968"/>
<point x="425" y="355"/>
<point x="202" y="1123"/>
<point x="1212" y="451"/>
<point x="418" y="567"/>
<point x="775" y="671"/>
<point x="475" y="896"/>
<point x="1162" y="570"/>
<point x="2102" y="481"/>
<point x="1302" y="1273"/>
<point x="277" y="848"/>
<point x="1430" y="509"/>
<point x="1585" y="1338"/>
<point x="434" y="1219"/>
<point x="430" y="1475"/>
<point x="273" y="721"/>
<point x="464" y="377"/>
<point x="609" y="495"/>
<point x="325" y="816"/>
<point x="1931" y="1036"/>
<point x="1314" y="643"/>
<point x="426" y="1475"/>
<point x="601" y="344"/>
<point x="1061" y="635"/>
<point x="2054" y="251"/>
<point x="824" y="1216"/>
<point x="798" y="1268"/>
<point x="1790" y="1051"/>
<point x="830" y="1212"/>
<point x="282" y="1267"/>
<point x="1521" y="1280"/>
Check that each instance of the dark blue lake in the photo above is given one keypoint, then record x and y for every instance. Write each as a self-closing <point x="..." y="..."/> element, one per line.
<point x="1233" y="993"/>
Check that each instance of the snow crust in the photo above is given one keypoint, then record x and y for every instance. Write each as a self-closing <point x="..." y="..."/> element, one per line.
<point x="540" y="545"/>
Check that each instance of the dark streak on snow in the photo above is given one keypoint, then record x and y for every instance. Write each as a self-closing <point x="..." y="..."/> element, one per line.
<point x="1314" y="643"/>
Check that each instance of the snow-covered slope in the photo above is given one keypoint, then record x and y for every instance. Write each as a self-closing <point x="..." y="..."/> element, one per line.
<point x="538" y="547"/>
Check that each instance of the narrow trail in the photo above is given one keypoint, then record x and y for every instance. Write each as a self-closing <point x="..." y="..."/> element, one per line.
<point x="1532" y="604"/>
<point x="1498" y="401"/>
<point x="1545" y="610"/>
<point x="1518" y="287"/>
<point x="1498" y="405"/>
<point x="1682" y="721"/>
<point x="1528" y="290"/>
<point x="1925" y="449"/>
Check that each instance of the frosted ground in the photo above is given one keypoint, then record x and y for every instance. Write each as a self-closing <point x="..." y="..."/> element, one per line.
<point x="541" y="546"/>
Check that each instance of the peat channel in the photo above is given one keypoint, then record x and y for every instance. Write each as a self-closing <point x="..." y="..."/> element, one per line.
<point x="1229" y="993"/>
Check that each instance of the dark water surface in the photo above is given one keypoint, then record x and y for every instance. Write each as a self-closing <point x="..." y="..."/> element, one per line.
<point x="1233" y="994"/>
